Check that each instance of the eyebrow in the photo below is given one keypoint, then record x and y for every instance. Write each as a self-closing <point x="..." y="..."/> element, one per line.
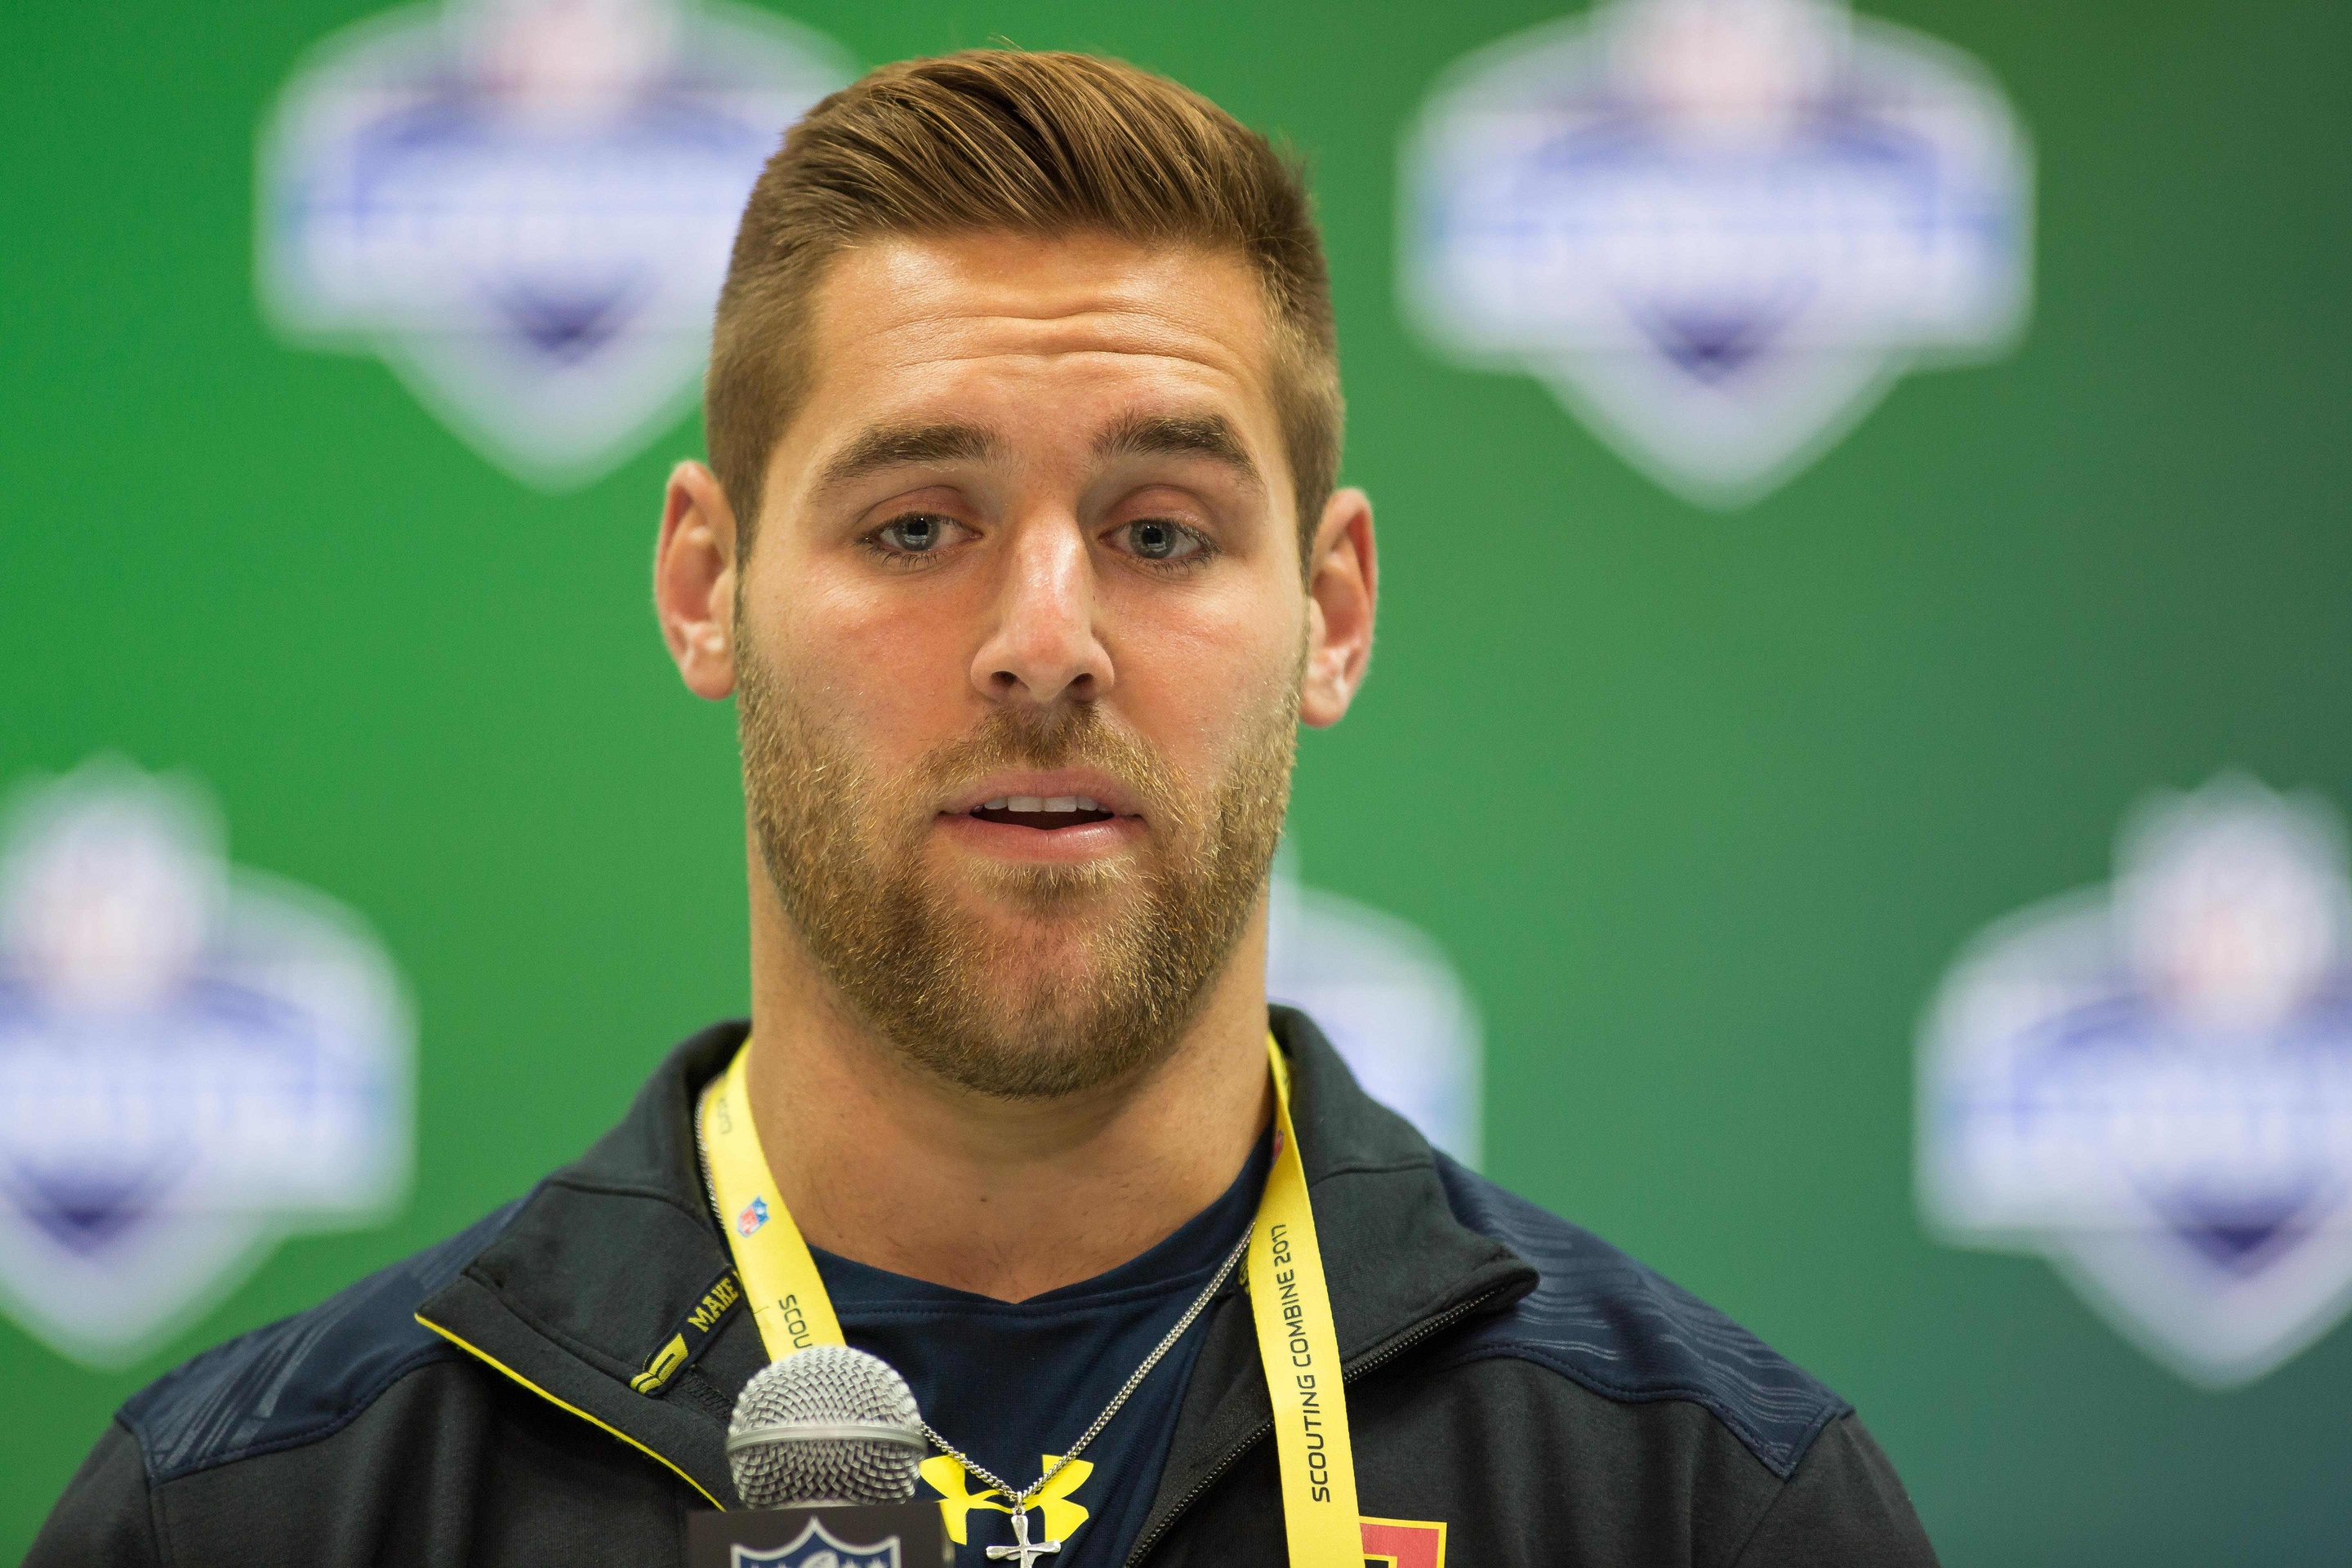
<point x="898" y="446"/>
<point x="1137" y="435"/>
<point x="1178" y="435"/>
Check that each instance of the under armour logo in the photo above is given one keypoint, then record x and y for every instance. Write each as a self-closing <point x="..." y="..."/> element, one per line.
<point x="957" y="1499"/>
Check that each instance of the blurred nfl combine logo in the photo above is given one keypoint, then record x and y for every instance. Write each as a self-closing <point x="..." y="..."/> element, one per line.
<point x="195" y="1061"/>
<point x="2151" y="1084"/>
<point x="1388" y="998"/>
<point x="1717" y="229"/>
<point x="526" y="206"/>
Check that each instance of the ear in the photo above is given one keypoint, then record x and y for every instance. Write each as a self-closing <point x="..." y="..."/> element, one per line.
<point x="1342" y="593"/>
<point x="694" y="580"/>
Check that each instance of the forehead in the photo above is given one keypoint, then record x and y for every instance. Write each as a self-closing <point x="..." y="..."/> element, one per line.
<point x="910" y="326"/>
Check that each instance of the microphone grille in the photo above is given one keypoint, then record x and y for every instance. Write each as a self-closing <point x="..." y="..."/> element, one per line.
<point x="786" y="1444"/>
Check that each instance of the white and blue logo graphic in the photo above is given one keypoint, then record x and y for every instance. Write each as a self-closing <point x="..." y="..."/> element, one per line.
<point x="1388" y="999"/>
<point x="526" y="207"/>
<point x="195" y="1061"/>
<point x="2151" y="1084"/>
<point x="817" y="1547"/>
<point x="1717" y="229"/>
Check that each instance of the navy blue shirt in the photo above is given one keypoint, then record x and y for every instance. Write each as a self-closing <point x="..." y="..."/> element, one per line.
<point x="1010" y="1382"/>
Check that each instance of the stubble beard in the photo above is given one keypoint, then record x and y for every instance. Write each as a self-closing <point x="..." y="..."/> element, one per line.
<point x="1106" y="962"/>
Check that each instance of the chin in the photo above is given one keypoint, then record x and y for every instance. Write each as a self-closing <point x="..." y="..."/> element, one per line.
<point x="1043" y="967"/>
<point x="1018" y="901"/>
<point x="1038" y="1042"/>
<point x="1030" y="1007"/>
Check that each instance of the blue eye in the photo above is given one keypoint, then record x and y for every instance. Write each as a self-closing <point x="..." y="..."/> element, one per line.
<point x="1156" y="540"/>
<point x="914" y="535"/>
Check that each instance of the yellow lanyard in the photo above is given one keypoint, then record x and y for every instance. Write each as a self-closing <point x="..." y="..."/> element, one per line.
<point x="1296" y="1341"/>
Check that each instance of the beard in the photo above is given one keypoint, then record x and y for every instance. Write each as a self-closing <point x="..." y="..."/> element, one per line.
<point x="1100" y="967"/>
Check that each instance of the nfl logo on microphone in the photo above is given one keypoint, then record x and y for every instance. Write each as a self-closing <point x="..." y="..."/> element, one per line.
<point x="2150" y="1084"/>
<point x="818" y="1548"/>
<point x="901" y="1535"/>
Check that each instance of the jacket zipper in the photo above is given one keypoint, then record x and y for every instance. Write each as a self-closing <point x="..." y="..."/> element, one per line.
<point x="1388" y="1353"/>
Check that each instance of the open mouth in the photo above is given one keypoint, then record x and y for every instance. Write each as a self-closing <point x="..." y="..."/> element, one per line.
<point x="1043" y="812"/>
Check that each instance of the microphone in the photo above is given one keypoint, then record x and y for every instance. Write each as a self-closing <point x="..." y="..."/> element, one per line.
<point x="826" y="1425"/>
<point x="825" y="1445"/>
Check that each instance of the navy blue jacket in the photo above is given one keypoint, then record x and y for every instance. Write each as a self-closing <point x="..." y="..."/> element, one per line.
<point x="551" y="1386"/>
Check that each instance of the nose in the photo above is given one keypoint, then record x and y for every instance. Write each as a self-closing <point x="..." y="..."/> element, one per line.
<point x="1043" y="648"/>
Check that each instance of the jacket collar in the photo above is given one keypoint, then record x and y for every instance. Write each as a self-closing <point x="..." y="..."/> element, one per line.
<point x="610" y="1254"/>
<point x="1401" y="1268"/>
<point x="599" y="1267"/>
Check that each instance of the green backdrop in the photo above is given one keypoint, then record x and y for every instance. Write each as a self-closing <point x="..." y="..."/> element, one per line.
<point x="1701" y="804"/>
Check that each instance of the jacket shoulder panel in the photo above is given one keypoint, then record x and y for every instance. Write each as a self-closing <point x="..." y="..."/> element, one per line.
<point x="304" y="1377"/>
<point x="1627" y="1333"/>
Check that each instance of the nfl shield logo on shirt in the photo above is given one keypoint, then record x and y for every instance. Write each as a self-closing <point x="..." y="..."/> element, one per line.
<point x="2150" y="1084"/>
<point x="525" y="207"/>
<point x="1717" y="229"/>
<point x="195" y="1061"/>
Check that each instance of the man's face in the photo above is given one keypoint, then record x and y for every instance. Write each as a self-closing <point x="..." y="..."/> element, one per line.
<point x="1019" y="647"/>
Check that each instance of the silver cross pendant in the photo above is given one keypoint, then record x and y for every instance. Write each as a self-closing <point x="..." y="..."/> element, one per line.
<point x="1021" y="1547"/>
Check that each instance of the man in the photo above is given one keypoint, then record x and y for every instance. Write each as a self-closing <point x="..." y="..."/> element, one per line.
<point x="1021" y="552"/>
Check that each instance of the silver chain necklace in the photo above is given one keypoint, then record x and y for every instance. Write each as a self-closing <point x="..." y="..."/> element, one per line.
<point x="1021" y="1500"/>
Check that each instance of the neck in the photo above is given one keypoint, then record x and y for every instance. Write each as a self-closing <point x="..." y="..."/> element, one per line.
<point x="884" y="1162"/>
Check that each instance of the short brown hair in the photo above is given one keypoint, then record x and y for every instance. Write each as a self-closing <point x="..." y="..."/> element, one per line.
<point x="1002" y="140"/>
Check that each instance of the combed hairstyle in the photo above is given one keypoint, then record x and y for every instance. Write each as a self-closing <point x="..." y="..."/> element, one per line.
<point x="1030" y="143"/>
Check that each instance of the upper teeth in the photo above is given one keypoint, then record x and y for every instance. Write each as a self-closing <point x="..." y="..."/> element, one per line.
<point x="1040" y="802"/>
